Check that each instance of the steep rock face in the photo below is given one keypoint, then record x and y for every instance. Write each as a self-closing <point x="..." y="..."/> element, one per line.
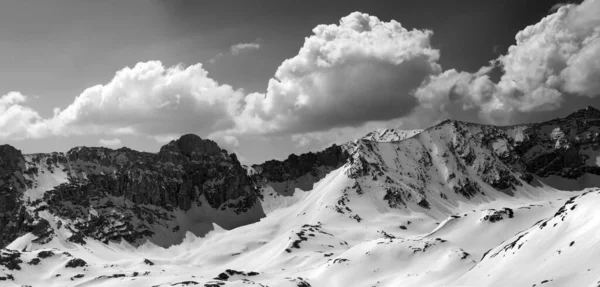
<point x="567" y="147"/>
<point x="124" y="194"/>
<point x="295" y="166"/>
<point x="14" y="221"/>
<point x="191" y="146"/>
<point x="300" y="171"/>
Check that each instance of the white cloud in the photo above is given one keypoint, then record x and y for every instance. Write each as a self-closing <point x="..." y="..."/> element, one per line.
<point x="110" y="142"/>
<point x="557" y="58"/>
<point x="243" y="47"/>
<point x="16" y="120"/>
<point x="344" y="75"/>
<point x="150" y="99"/>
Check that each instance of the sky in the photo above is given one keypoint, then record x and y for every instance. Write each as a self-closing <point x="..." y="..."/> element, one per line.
<point x="268" y="78"/>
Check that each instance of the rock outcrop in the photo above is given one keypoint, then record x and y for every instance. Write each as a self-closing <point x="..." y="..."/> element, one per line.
<point x="567" y="147"/>
<point x="122" y="194"/>
<point x="14" y="221"/>
<point x="299" y="171"/>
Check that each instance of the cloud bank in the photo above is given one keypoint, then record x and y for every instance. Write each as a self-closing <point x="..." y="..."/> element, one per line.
<point x="345" y="77"/>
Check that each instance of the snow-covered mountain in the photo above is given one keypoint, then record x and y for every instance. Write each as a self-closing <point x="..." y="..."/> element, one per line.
<point x="457" y="204"/>
<point x="390" y="135"/>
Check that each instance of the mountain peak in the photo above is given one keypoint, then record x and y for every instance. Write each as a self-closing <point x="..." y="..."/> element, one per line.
<point x="189" y="144"/>
<point x="390" y="135"/>
<point x="9" y="158"/>
<point x="588" y="112"/>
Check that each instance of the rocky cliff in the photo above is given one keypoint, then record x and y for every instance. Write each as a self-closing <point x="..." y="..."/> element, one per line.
<point x="567" y="147"/>
<point x="124" y="194"/>
<point x="298" y="171"/>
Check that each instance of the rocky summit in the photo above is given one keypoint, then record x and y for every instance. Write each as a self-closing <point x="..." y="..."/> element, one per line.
<point x="455" y="204"/>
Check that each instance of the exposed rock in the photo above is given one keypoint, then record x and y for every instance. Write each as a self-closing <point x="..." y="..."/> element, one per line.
<point x="561" y="147"/>
<point x="10" y="259"/>
<point x="120" y="194"/>
<point x="296" y="166"/>
<point x="76" y="262"/>
<point x="45" y="254"/>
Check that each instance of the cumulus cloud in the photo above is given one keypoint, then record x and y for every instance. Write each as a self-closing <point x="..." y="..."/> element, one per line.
<point x="110" y="142"/>
<point x="361" y="70"/>
<point x="16" y="121"/>
<point x="243" y="47"/>
<point x="150" y="99"/>
<point x="555" y="59"/>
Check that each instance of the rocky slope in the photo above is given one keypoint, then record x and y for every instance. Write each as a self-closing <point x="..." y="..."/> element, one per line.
<point x="277" y="178"/>
<point x="462" y="157"/>
<point x="111" y="195"/>
<point x="567" y="147"/>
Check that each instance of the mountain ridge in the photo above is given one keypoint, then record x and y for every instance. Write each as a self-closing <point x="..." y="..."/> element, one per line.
<point x="404" y="192"/>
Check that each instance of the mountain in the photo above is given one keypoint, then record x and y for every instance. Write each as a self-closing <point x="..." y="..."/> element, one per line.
<point x="452" y="205"/>
<point x="112" y="195"/>
<point x="390" y="135"/>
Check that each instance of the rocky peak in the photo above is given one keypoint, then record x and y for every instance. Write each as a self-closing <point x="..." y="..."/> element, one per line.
<point x="588" y="112"/>
<point x="190" y="145"/>
<point x="11" y="159"/>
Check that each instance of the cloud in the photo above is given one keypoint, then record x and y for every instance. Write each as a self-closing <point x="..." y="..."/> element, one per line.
<point x="361" y="70"/>
<point x="345" y="75"/>
<point x="152" y="100"/>
<point x="243" y="47"/>
<point x="552" y="61"/>
<point x="215" y="58"/>
<point x="347" y="79"/>
<point x="557" y="6"/>
<point x="16" y="120"/>
<point x="110" y="142"/>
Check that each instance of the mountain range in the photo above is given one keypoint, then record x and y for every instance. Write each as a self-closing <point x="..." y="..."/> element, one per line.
<point x="456" y="204"/>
